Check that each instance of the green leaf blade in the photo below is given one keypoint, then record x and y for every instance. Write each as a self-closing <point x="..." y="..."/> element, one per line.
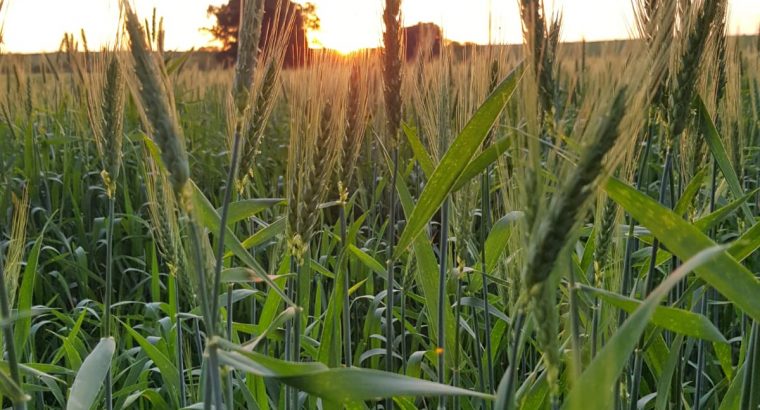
<point x="91" y="374"/>
<point x="457" y="157"/>
<point x="684" y="240"/>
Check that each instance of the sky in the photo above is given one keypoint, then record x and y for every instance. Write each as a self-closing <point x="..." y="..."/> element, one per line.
<point x="38" y="25"/>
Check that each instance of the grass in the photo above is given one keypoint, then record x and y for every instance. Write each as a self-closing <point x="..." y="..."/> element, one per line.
<point x="499" y="228"/>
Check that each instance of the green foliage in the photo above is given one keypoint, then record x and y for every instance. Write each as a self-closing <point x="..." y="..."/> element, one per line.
<point x="619" y="307"/>
<point x="91" y="375"/>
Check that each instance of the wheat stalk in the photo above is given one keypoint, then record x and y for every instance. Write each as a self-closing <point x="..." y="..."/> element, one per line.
<point x="113" y="117"/>
<point x="685" y="78"/>
<point x="157" y="103"/>
<point x="357" y="107"/>
<point x="316" y="141"/>
<point x="392" y="54"/>
<point x="248" y="50"/>
<point x="392" y="96"/>
<point x="555" y="228"/>
<point x="264" y="90"/>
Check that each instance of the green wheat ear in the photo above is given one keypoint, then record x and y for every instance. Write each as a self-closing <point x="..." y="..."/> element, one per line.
<point x="156" y="102"/>
<point x="357" y="118"/>
<point x="392" y="66"/>
<point x="113" y="117"/>
<point x="248" y="49"/>
<point x="555" y="228"/>
<point x="16" y="244"/>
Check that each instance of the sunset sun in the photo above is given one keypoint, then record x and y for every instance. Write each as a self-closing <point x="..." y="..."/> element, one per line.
<point x="344" y="25"/>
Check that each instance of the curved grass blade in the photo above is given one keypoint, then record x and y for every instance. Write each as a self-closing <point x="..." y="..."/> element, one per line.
<point x="691" y="191"/>
<point x="366" y="259"/>
<point x="600" y="377"/>
<point x="732" y="398"/>
<point x="246" y="275"/>
<point x="666" y="377"/>
<point x="210" y="220"/>
<point x="676" y="320"/>
<point x="474" y="168"/>
<point x="283" y="317"/>
<point x="751" y="381"/>
<point x="339" y="385"/>
<point x="263" y="235"/>
<point x="747" y="244"/>
<point x="25" y="295"/>
<point x="247" y="208"/>
<point x="721" y="156"/>
<point x="482" y="161"/>
<point x="10" y="389"/>
<point x="329" y="351"/>
<point x="708" y="221"/>
<point x="426" y="274"/>
<point x="91" y="374"/>
<point x="684" y="240"/>
<point x="345" y="385"/>
<point x="456" y="159"/>
<point x="165" y="365"/>
<point x="496" y="243"/>
<point x="419" y="151"/>
<point x="265" y="366"/>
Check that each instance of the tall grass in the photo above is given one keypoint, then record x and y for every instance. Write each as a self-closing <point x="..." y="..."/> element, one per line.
<point x="452" y="231"/>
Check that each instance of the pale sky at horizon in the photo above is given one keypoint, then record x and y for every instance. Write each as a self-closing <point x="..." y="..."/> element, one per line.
<point x="346" y="24"/>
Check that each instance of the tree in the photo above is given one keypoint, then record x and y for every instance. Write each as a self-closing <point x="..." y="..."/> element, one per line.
<point x="424" y="38"/>
<point x="304" y="19"/>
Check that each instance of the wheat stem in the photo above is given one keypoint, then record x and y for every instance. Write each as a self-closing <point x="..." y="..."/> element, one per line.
<point x="638" y="358"/>
<point x="346" y="283"/>
<point x="442" y="299"/>
<point x="213" y="376"/>
<point x="229" y="187"/>
<point x="108" y="294"/>
<point x="174" y="286"/>
<point x="392" y="97"/>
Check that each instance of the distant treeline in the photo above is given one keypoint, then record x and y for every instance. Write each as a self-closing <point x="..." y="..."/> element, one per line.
<point x="422" y="40"/>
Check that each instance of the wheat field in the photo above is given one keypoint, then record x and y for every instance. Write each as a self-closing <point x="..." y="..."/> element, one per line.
<point x="540" y="226"/>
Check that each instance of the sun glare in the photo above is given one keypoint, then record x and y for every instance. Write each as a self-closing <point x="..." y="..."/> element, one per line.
<point x="345" y="25"/>
<point x="342" y="44"/>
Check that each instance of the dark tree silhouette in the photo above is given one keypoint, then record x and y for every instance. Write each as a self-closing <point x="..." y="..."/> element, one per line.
<point x="227" y="16"/>
<point x="426" y="38"/>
